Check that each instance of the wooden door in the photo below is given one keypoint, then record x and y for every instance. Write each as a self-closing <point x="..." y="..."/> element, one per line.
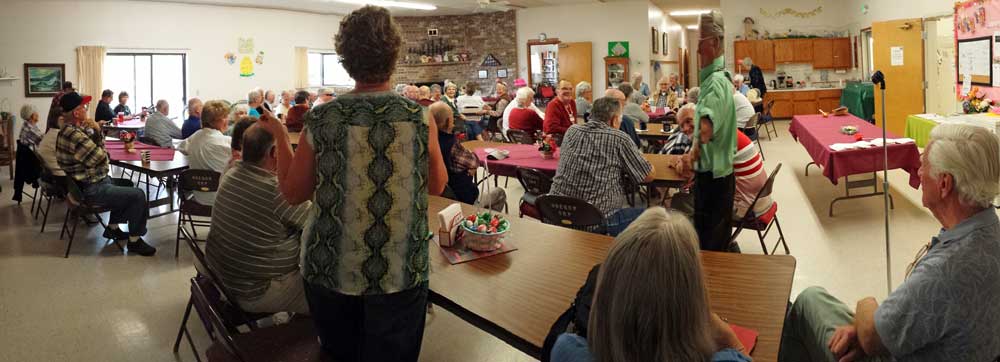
<point x="763" y="54"/>
<point x="822" y="53"/>
<point x="742" y="49"/>
<point x="904" y="90"/>
<point x="842" y="53"/>
<point x="575" y="60"/>
<point x="784" y="51"/>
<point x="802" y="50"/>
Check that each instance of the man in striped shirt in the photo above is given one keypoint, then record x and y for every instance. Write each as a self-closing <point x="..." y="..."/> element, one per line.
<point x="254" y="242"/>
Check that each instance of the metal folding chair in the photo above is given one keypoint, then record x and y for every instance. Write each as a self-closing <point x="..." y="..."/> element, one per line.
<point x="762" y="223"/>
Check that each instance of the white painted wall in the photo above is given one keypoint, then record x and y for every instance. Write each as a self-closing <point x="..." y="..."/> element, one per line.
<point x="677" y="37"/>
<point x="597" y="23"/>
<point x="30" y="33"/>
<point x="883" y="10"/>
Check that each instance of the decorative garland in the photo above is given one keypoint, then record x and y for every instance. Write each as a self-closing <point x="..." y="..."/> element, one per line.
<point x="792" y="12"/>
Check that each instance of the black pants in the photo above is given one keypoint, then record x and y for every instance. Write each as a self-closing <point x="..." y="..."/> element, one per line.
<point x="713" y="210"/>
<point x="370" y="328"/>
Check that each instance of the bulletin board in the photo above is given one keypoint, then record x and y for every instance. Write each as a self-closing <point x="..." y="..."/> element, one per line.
<point x="975" y="58"/>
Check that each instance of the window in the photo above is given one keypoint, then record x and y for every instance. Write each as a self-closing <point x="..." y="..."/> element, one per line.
<point x="148" y="78"/>
<point x="325" y="70"/>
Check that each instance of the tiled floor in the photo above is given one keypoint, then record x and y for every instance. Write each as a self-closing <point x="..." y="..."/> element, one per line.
<point x="99" y="305"/>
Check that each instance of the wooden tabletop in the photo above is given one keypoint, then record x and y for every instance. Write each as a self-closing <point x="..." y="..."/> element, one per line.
<point x="653" y="130"/>
<point x="517" y="296"/>
<point x="157" y="168"/>
<point x="474" y="144"/>
<point x="663" y="168"/>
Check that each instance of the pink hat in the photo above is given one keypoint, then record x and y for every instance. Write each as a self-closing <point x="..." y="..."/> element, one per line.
<point x="520" y="82"/>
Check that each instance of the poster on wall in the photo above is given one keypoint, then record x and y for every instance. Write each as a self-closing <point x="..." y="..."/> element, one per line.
<point x="43" y="80"/>
<point x="246" y="45"/>
<point x="618" y="49"/>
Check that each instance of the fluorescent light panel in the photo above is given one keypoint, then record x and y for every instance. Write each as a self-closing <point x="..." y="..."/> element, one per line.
<point x="390" y="3"/>
<point x="692" y="27"/>
<point x="689" y="12"/>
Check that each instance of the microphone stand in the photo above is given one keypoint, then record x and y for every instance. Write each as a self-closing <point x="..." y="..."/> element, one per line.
<point x="879" y="78"/>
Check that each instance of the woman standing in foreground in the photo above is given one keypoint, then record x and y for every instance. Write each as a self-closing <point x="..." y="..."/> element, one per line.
<point x="368" y="163"/>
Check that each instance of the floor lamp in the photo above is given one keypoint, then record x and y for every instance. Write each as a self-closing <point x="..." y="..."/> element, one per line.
<point x="879" y="78"/>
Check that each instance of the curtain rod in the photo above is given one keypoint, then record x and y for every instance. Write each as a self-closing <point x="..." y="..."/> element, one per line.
<point x="109" y="48"/>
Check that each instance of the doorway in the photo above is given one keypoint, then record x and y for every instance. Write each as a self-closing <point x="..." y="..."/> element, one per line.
<point x="939" y="69"/>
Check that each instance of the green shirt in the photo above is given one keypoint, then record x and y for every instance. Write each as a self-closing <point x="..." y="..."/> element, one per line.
<point x="716" y="102"/>
<point x="368" y="231"/>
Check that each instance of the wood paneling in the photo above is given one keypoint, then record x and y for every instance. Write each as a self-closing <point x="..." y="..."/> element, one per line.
<point x="804" y="107"/>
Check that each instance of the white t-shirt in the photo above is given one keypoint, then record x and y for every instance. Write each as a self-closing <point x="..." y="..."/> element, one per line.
<point x="464" y="102"/>
<point x="47" y="149"/>
<point x="744" y="110"/>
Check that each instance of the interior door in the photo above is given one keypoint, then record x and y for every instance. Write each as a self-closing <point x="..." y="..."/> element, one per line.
<point x="575" y="61"/>
<point x="904" y="82"/>
<point x="940" y="67"/>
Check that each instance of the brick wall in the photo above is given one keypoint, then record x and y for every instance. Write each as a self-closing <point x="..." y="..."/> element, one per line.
<point x="477" y="34"/>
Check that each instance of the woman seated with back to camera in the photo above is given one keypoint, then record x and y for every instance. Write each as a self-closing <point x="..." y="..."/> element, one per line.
<point x="650" y="302"/>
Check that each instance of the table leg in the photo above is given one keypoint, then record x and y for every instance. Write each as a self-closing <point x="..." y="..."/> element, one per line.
<point x="848" y="185"/>
<point x="810" y="164"/>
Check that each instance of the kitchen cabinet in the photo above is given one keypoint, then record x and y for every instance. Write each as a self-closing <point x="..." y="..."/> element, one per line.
<point x="760" y="51"/>
<point x="802" y="50"/>
<point x="742" y="49"/>
<point x="784" y="51"/>
<point x="822" y="53"/>
<point x="832" y="53"/>
<point x="796" y="102"/>
<point x="842" y="53"/>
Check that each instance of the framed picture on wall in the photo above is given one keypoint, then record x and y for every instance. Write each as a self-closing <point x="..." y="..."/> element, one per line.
<point x="501" y="73"/>
<point x="43" y="80"/>
<point x="666" y="42"/>
<point x="656" y="39"/>
<point x="483" y="74"/>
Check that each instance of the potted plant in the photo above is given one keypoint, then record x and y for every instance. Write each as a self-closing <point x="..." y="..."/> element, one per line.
<point x="129" y="139"/>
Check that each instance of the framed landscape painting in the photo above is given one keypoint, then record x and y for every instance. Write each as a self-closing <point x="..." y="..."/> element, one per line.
<point x="43" y="80"/>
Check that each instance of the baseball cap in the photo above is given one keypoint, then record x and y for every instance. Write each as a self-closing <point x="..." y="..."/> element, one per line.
<point x="71" y="100"/>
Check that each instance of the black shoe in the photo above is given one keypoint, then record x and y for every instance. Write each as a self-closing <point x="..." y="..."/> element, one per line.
<point x="116" y="234"/>
<point x="140" y="247"/>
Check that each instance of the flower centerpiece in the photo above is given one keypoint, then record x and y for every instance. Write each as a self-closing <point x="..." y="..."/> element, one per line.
<point x="129" y="139"/>
<point x="546" y="146"/>
<point x="975" y="101"/>
<point x="484" y="231"/>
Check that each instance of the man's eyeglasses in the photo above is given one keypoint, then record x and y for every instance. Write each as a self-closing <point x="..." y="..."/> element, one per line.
<point x="920" y="255"/>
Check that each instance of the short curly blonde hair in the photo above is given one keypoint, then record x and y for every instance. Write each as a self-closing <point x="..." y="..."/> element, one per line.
<point x="212" y="112"/>
<point x="368" y="44"/>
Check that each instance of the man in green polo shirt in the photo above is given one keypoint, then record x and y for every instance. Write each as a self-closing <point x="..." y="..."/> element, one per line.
<point x="711" y="158"/>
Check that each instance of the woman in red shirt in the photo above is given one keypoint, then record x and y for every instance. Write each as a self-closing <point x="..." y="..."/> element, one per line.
<point x="524" y="117"/>
<point x="561" y="111"/>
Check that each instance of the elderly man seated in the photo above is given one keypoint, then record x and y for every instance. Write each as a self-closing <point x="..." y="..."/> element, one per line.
<point x="679" y="143"/>
<point x="740" y="86"/>
<point x="627" y="123"/>
<point x="254" y="242"/>
<point x="81" y="154"/>
<point x="193" y="123"/>
<point x="209" y="148"/>
<point x="561" y="111"/>
<point x="946" y="309"/>
<point x="596" y="160"/>
<point x="160" y="129"/>
<point x="665" y="97"/>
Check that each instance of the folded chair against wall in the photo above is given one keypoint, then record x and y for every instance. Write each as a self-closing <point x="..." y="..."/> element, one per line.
<point x="762" y="223"/>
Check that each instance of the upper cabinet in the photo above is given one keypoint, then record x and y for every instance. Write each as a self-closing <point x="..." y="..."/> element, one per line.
<point x="822" y="53"/>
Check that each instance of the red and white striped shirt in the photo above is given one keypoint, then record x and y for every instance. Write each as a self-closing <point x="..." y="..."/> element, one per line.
<point x="750" y="177"/>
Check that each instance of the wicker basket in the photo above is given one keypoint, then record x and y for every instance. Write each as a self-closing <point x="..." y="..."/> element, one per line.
<point x="478" y="241"/>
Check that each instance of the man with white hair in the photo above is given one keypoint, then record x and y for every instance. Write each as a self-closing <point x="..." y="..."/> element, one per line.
<point x="160" y="129"/>
<point x="740" y="85"/>
<point x="560" y="113"/>
<point x="710" y="161"/>
<point x="526" y="98"/>
<point x="947" y="307"/>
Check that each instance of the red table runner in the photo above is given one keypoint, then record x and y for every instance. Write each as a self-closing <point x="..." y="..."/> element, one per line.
<point x="817" y="133"/>
<point x="116" y="151"/>
<point x="520" y="156"/>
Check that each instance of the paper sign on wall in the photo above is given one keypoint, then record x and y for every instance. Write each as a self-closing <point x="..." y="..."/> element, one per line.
<point x="896" y="56"/>
<point x="966" y="83"/>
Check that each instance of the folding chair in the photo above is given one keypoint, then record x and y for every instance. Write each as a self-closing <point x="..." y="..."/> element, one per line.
<point x="767" y="119"/>
<point x="536" y="183"/>
<point x="234" y="316"/>
<point x="51" y="186"/>
<point x="520" y="136"/>
<point x="571" y="212"/>
<point x="191" y="181"/>
<point x="295" y="341"/>
<point x="762" y="223"/>
<point x="751" y="132"/>
<point x="76" y="209"/>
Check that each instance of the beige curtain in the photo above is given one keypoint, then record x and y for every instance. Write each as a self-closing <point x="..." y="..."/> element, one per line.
<point x="90" y="73"/>
<point x="301" y="67"/>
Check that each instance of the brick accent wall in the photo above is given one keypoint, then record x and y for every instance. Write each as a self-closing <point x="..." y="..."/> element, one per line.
<point x="477" y="34"/>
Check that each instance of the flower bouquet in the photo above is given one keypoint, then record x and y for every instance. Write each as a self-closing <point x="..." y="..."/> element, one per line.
<point x="546" y="146"/>
<point x="975" y="101"/>
<point x="129" y="139"/>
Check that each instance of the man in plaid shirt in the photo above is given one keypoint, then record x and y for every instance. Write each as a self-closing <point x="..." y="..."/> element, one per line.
<point x="80" y="153"/>
<point x="596" y="158"/>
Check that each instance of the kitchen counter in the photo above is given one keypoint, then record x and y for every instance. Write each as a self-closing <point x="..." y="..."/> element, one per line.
<point x="804" y="89"/>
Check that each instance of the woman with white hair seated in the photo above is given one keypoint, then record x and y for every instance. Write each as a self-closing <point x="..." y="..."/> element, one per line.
<point x="27" y="166"/>
<point x="523" y="117"/>
<point x="633" y="104"/>
<point x="740" y="85"/>
<point x="584" y="91"/>
<point x="692" y="95"/>
<point x="650" y="301"/>
<point x="522" y="100"/>
<point x="639" y="86"/>
<point x="665" y="97"/>
<point x="235" y="113"/>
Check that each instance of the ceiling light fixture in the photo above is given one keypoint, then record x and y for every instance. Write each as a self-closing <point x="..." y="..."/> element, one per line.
<point x="692" y="27"/>
<point x="689" y="12"/>
<point x="390" y="3"/>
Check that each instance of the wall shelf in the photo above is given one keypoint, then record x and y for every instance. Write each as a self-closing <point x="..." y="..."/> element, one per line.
<point x="432" y="64"/>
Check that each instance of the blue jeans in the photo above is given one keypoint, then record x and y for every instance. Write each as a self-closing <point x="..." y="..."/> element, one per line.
<point x="127" y="203"/>
<point x="376" y="328"/>
<point x="473" y="129"/>
<point x="621" y="219"/>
